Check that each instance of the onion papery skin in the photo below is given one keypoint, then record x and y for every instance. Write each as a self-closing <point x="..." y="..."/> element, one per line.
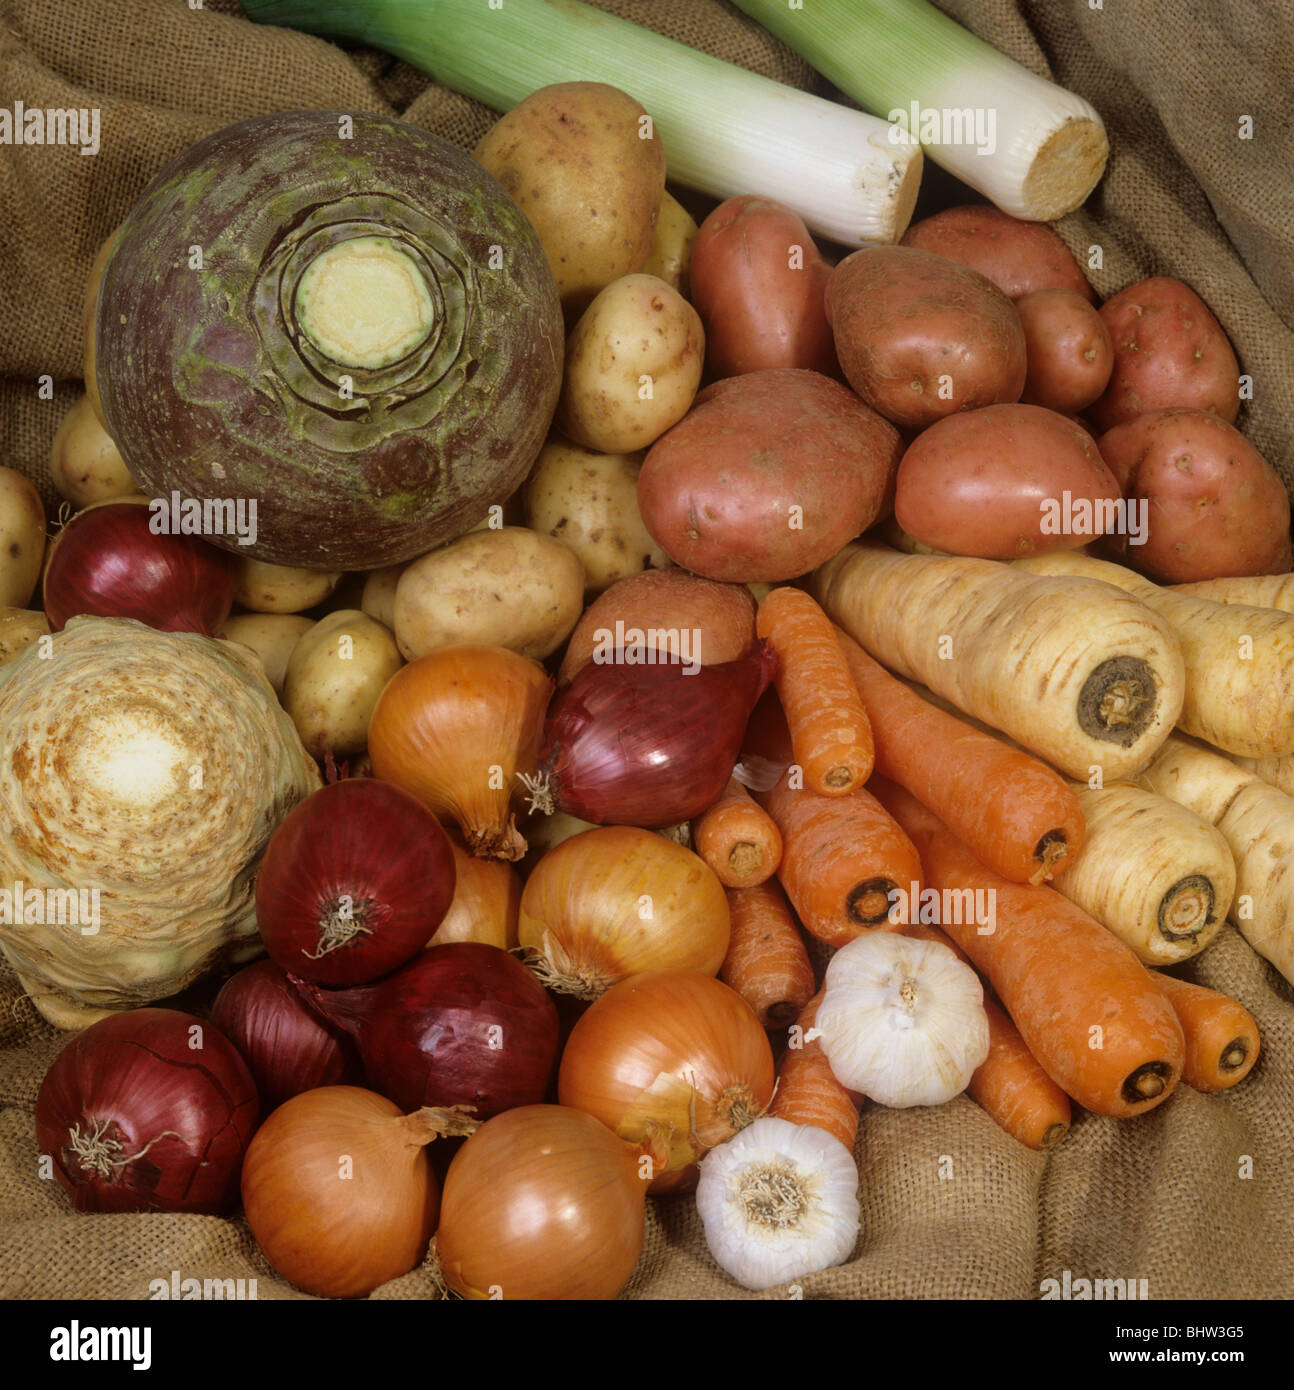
<point x="108" y="563"/>
<point x="616" y="901"/>
<point x="670" y="1056"/>
<point x="462" y="1024"/>
<point x="157" y="1087"/>
<point x="354" y="882"/>
<point x="455" y="728"/>
<point x="649" y="745"/>
<point x="339" y="1190"/>
<point x="151" y="768"/>
<point x="213" y="384"/>
<point x="285" y="1044"/>
<point x="487" y="899"/>
<point x="542" y="1202"/>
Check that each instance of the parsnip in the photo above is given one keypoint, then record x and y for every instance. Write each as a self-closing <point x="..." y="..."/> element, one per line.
<point x="1257" y="821"/>
<point x="1239" y="659"/>
<point x="1080" y="674"/>
<point x="1279" y="772"/>
<point x="1258" y="590"/>
<point x="1160" y="877"/>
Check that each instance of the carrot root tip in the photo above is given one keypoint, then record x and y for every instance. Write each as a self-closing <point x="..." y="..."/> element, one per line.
<point x="1050" y="851"/>
<point x="1053" y="1135"/>
<point x="868" y="903"/>
<point x="1234" y="1055"/>
<point x="1148" y="1082"/>
<point x="745" y="858"/>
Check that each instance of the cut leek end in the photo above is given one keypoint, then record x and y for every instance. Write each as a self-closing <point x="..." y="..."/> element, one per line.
<point x="1067" y="167"/>
<point x="906" y="185"/>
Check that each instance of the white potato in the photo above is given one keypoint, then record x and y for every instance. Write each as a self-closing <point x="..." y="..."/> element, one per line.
<point x="22" y="538"/>
<point x="671" y="249"/>
<point x="509" y="588"/>
<point x="589" y="501"/>
<point x="272" y="636"/>
<point x="633" y="363"/>
<point x="266" y="588"/>
<point x="335" y="674"/>
<point x="378" y="599"/>
<point x="19" y="628"/>
<point x="83" y="461"/>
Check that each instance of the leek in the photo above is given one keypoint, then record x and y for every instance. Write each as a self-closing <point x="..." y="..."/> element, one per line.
<point x="1032" y="148"/>
<point x="726" y="131"/>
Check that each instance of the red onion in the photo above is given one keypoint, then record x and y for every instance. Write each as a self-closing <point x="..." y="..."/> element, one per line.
<point x="149" y="1110"/>
<point x="107" y="563"/>
<point x="288" y="1048"/>
<point x="354" y="883"/>
<point x="648" y="745"/>
<point x="463" y="1024"/>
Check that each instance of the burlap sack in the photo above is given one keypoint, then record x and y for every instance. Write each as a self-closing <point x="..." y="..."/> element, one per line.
<point x="1196" y="1198"/>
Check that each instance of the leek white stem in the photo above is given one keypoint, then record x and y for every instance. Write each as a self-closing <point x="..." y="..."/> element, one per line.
<point x="725" y="130"/>
<point x="1032" y="148"/>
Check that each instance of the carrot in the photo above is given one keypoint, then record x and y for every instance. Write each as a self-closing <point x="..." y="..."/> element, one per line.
<point x="1257" y="591"/>
<point x="807" y="1091"/>
<point x="830" y="732"/>
<point x="1080" y="676"/>
<point x="844" y="860"/>
<point x="1257" y="822"/>
<point x="766" y="962"/>
<point x="738" y="839"/>
<point x="1239" y="659"/>
<point x="1009" y="1084"/>
<point x="1221" y="1035"/>
<point x="1157" y="875"/>
<point x="1018" y="815"/>
<point x="1081" y="1000"/>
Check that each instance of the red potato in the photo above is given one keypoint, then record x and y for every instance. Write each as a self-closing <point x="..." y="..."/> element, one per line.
<point x="920" y="337"/>
<point x="758" y="280"/>
<point x="1215" y="506"/>
<point x="1019" y="257"/>
<point x="767" y="476"/>
<point x="1004" y="481"/>
<point x="718" y="618"/>
<point x="1070" y="355"/>
<point x="1169" y="350"/>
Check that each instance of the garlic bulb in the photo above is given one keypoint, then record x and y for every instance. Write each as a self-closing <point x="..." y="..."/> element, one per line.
<point x="141" y="774"/>
<point x="778" y="1201"/>
<point x="902" y="1020"/>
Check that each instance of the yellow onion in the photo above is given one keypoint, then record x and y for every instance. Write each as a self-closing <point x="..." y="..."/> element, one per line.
<point x="339" y="1190"/>
<point x="616" y="901"/>
<point x="455" y="727"/>
<point x="542" y="1202"/>
<point x="487" y="896"/>
<point x="672" y="1058"/>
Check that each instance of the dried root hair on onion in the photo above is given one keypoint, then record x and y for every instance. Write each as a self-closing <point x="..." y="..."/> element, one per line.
<point x="779" y="1201"/>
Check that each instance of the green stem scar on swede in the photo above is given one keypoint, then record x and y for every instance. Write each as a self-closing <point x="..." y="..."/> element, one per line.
<point x="364" y="303"/>
<point x="97" y="1151"/>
